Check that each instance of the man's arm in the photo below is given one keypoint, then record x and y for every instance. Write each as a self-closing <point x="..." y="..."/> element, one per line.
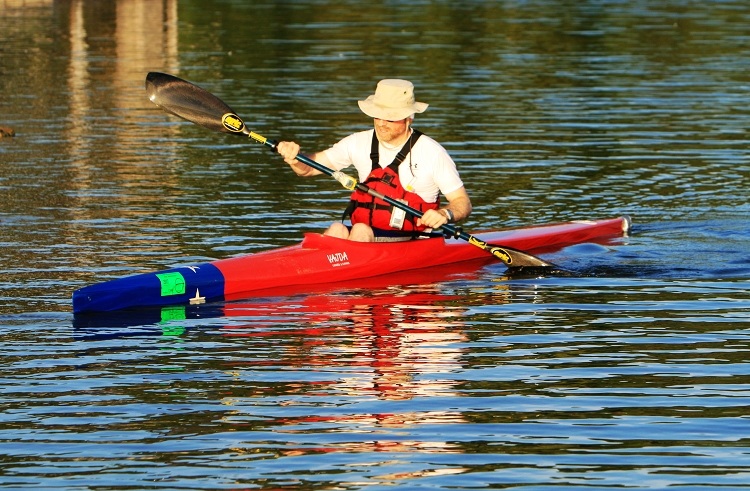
<point x="459" y="205"/>
<point x="290" y="150"/>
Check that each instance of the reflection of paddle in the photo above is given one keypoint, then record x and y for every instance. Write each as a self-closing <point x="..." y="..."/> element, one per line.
<point x="199" y="106"/>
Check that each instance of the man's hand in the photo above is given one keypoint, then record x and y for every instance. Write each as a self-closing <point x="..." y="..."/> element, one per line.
<point x="433" y="219"/>
<point x="289" y="151"/>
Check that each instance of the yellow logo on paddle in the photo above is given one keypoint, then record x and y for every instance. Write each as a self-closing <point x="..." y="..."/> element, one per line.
<point x="496" y="251"/>
<point x="232" y="122"/>
<point x="502" y="255"/>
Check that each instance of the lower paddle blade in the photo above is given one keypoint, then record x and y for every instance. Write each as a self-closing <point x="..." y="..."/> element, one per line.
<point x="514" y="258"/>
<point x="190" y="102"/>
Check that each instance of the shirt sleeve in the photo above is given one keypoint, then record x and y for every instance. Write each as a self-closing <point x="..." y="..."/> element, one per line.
<point x="342" y="154"/>
<point x="443" y="175"/>
<point x="446" y="174"/>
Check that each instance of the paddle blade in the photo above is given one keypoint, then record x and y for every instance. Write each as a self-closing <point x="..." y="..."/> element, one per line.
<point x="190" y="102"/>
<point x="514" y="258"/>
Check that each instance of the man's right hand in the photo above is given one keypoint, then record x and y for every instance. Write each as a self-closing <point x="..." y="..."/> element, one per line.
<point x="289" y="151"/>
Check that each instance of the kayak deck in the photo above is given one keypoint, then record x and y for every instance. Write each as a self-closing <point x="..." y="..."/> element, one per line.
<point x="320" y="259"/>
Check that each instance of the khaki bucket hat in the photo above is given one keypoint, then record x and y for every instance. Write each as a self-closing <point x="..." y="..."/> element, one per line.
<point x="393" y="100"/>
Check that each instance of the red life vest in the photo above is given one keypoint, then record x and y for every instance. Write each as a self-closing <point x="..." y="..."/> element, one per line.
<point x="375" y="212"/>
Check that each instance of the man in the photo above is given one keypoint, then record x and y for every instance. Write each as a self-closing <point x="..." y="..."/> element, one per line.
<point x="396" y="160"/>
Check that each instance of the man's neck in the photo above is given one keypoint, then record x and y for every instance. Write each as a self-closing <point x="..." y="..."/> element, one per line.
<point x="398" y="142"/>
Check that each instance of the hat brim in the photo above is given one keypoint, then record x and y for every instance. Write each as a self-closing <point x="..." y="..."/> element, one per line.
<point x="390" y="113"/>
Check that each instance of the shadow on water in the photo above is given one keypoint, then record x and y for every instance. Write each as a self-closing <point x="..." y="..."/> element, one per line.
<point x="718" y="249"/>
<point x="266" y="316"/>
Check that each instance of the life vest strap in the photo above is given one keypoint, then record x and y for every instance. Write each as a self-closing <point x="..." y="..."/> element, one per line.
<point x="400" y="156"/>
<point x="381" y="178"/>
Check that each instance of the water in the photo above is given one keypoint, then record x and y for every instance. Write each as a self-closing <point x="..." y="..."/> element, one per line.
<point x="631" y="373"/>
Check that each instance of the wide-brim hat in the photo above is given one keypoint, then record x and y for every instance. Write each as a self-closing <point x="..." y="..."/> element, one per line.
<point x="393" y="100"/>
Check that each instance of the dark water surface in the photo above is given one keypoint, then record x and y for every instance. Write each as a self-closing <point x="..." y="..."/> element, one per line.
<point x="631" y="374"/>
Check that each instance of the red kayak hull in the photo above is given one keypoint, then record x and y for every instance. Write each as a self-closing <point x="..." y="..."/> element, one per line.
<point x="320" y="259"/>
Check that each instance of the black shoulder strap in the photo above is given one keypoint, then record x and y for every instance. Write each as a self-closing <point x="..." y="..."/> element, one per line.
<point x="374" y="153"/>
<point x="400" y="156"/>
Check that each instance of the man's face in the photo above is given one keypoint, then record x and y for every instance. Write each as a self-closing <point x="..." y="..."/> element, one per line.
<point x="391" y="131"/>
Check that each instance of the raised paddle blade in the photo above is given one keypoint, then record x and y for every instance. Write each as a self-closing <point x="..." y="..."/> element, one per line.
<point x="190" y="102"/>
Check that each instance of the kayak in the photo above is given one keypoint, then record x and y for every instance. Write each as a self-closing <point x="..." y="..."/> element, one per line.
<point x="320" y="259"/>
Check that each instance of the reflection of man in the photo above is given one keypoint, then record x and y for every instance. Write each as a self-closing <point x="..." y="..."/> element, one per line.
<point x="412" y="336"/>
<point x="385" y="341"/>
<point x="386" y="346"/>
<point x="395" y="160"/>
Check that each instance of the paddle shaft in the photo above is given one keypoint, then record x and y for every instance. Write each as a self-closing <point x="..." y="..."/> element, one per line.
<point x="199" y="106"/>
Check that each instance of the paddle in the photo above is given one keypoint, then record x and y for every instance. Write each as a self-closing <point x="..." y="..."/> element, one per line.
<point x="190" y="102"/>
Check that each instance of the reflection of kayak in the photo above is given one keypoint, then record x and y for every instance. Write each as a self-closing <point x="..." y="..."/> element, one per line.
<point x="316" y="307"/>
<point x="321" y="260"/>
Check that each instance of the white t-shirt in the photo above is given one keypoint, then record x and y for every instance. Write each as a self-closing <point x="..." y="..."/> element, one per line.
<point x="427" y="170"/>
